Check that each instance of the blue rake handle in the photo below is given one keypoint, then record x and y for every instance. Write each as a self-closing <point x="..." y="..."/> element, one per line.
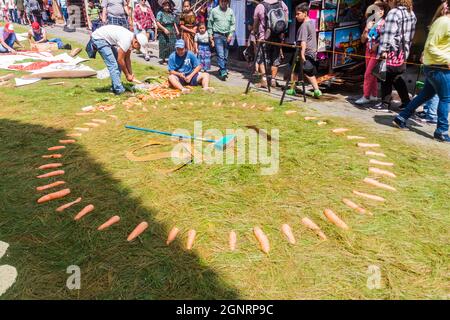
<point x="168" y="133"/>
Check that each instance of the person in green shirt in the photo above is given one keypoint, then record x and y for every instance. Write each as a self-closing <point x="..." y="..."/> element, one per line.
<point x="93" y="15"/>
<point x="221" y="27"/>
<point x="436" y="59"/>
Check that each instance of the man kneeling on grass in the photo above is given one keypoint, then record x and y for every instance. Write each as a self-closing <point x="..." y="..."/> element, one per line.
<point x="184" y="69"/>
<point x="8" y="39"/>
<point x="37" y="34"/>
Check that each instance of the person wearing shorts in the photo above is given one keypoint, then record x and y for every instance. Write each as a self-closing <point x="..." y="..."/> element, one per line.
<point x="273" y="55"/>
<point x="184" y="69"/>
<point x="310" y="66"/>
<point x="307" y="40"/>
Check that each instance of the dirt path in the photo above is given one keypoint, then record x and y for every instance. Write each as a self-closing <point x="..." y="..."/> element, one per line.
<point x="332" y="105"/>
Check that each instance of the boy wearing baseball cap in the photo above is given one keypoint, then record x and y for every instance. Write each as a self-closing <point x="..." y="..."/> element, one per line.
<point x="37" y="34"/>
<point x="8" y="38"/>
<point x="184" y="69"/>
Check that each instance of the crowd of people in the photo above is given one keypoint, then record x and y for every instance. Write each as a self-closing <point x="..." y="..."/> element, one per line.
<point x="210" y="27"/>
<point x="388" y="44"/>
<point x="28" y="11"/>
<point x="188" y="36"/>
<point x="35" y="13"/>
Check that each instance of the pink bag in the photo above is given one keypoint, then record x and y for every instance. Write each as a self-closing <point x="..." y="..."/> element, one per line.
<point x="395" y="61"/>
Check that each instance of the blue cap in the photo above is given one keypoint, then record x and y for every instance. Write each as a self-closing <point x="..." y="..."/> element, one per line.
<point x="180" y="44"/>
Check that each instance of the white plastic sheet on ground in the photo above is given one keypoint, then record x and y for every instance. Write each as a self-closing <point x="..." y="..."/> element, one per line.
<point x="103" y="74"/>
<point x="69" y="64"/>
<point x="23" y="82"/>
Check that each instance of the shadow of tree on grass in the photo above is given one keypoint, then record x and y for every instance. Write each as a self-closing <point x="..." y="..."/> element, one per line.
<point x="43" y="243"/>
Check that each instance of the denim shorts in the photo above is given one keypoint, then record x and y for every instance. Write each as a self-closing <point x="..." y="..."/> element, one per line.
<point x="194" y="81"/>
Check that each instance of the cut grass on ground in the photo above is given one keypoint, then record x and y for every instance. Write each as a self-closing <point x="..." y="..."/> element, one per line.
<point x="407" y="238"/>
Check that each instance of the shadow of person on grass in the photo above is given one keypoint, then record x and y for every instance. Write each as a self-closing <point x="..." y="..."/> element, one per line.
<point x="412" y="125"/>
<point x="44" y="243"/>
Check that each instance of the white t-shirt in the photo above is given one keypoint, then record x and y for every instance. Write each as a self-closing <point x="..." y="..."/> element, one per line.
<point x="202" y="38"/>
<point x="115" y="36"/>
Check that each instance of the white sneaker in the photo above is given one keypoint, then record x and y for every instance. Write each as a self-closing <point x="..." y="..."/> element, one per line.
<point x="374" y="99"/>
<point x="362" y="100"/>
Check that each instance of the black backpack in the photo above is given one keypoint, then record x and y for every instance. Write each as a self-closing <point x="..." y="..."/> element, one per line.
<point x="276" y="19"/>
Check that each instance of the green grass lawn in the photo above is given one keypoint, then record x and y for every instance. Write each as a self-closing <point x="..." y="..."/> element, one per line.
<point x="407" y="237"/>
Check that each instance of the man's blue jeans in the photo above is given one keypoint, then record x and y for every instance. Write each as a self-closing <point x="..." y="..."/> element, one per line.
<point x="9" y="41"/>
<point x="430" y="108"/>
<point x="221" y="44"/>
<point x="109" y="55"/>
<point x="58" y="41"/>
<point x="437" y="82"/>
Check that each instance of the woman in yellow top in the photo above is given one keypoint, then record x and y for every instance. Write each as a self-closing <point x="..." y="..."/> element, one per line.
<point x="436" y="59"/>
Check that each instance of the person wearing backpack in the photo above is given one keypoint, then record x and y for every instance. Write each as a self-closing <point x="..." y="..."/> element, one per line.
<point x="270" y="24"/>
